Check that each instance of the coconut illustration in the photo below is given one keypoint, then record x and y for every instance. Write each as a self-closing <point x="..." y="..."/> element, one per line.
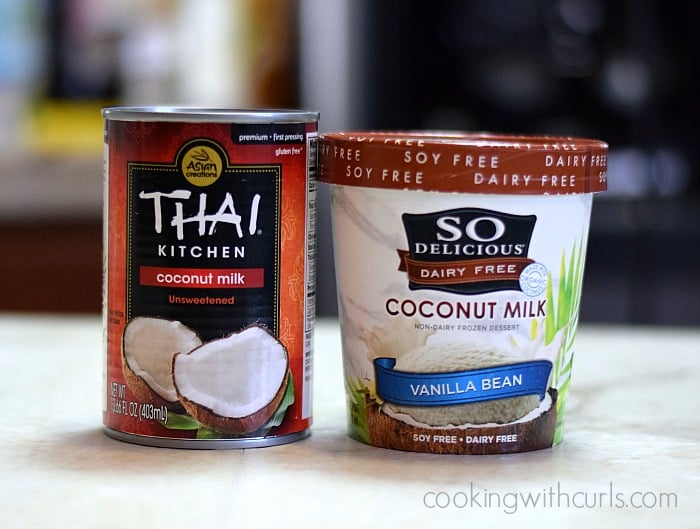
<point x="148" y="347"/>
<point x="233" y="384"/>
<point x="509" y="424"/>
<point x="532" y="432"/>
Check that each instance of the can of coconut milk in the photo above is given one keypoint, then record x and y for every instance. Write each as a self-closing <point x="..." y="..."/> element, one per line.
<point x="459" y="261"/>
<point x="209" y="262"/>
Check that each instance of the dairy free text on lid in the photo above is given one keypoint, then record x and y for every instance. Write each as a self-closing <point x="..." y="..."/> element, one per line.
<point x="459" y="262"/>
<point x="465" y="163"/>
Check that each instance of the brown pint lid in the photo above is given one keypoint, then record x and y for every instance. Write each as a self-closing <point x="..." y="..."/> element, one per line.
<point x="464" y="163"/>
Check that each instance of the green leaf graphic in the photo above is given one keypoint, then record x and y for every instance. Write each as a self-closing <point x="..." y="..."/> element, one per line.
<point x="562" y="318"/>
<point x="358" y="395"/>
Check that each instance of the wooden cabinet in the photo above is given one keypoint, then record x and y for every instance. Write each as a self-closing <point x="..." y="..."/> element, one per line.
<point x="51" y="266"/>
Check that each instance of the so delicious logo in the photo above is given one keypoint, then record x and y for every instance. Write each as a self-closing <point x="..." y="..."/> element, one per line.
<point x="471" y="251"/>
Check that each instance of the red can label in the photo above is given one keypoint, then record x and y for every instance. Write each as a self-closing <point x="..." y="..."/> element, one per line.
<point x="209" y="269"/>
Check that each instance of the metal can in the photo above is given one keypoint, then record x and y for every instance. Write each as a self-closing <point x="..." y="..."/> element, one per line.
<point x="209" y="267"/>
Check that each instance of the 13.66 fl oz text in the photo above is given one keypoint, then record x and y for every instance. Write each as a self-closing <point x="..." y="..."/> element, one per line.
<point x="138" y="410"/>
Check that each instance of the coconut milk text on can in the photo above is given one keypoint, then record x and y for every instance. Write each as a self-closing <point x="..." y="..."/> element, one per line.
<point x="209" y="262"/>
<point x="459" y="263"/>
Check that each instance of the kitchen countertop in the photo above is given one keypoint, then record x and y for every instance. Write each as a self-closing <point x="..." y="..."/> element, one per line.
<point x="630" y="457"/>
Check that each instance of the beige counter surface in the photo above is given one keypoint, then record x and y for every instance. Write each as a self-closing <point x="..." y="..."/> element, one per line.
<point x="630" y="457"/>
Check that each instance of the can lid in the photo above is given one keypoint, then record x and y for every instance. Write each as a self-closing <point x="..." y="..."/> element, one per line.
<point x="481" y="163"/>
<point x="209" y="115"/>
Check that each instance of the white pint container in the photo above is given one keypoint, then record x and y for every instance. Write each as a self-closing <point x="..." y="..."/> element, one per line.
<point x="459" y="263"/>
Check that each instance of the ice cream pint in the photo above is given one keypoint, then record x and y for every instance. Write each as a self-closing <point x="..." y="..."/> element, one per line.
<point x="209" y="259"/>
<point x="459" y="264"/>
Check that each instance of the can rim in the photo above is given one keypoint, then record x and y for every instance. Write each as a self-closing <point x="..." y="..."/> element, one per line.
<point x="206" y="114"/>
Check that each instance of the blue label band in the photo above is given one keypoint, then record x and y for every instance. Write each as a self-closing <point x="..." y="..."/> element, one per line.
<point x="460" y="387"/>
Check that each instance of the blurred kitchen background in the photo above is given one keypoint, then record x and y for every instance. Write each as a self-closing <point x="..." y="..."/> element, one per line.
<point x="625" y="71"/>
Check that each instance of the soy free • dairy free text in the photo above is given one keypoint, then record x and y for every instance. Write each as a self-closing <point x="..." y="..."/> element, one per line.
<point x="483" y="169"/>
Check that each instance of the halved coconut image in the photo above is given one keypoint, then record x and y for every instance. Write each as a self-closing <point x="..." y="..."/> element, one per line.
<point x="148" y="347"/>
<point x="233" y="384"/>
